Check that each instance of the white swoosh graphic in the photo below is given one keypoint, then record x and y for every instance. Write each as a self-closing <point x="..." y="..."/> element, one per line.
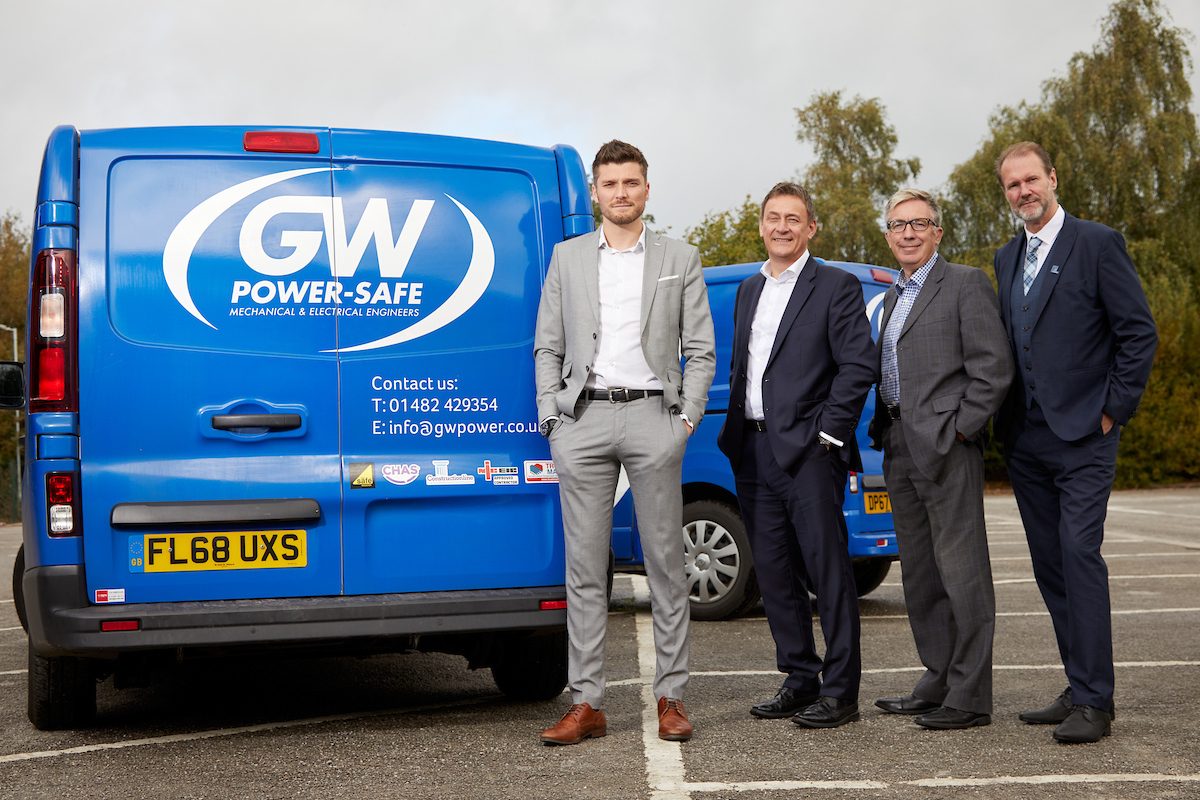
<point x="182" y="241"/>
<point x="474" y="284"/>
<point x="875" y="306"/>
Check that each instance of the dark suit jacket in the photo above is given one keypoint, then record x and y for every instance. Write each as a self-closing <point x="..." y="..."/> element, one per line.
<point x="819" y="371"/>
<point x="955" y="364"/>
<point x="1093" y="335"/>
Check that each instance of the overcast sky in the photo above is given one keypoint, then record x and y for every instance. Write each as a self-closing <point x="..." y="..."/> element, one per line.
<point x="706" y="89"/>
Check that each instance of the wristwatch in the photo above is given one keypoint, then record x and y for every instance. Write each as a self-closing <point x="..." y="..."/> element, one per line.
<point x="547" y="426"/>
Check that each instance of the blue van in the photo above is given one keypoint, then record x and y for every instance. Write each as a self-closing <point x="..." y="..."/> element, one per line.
<point x="719" y="564"/>
<point x="279" y="392"/>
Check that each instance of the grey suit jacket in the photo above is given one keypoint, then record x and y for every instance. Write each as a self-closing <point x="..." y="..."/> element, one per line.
<point x="955" y="364"/>
<point x="675" y="320"/>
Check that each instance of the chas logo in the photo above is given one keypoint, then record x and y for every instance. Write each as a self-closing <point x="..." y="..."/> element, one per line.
<point x="345" y="251"/>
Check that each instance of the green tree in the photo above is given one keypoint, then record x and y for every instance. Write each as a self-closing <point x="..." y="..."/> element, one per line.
<point x="853" y="175"/>
<point x="14" y="272"/>
<point x="1121" y="131"/>
<point x="729" y="237"/>
<point x="1123" y="136"/>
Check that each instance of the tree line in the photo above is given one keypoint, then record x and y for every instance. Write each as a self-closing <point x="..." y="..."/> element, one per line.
<point x="1123" y="136"/>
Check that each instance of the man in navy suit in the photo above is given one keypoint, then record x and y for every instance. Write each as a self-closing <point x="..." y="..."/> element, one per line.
<point x="1083" y="340"/>
<point x="803" y="362"/>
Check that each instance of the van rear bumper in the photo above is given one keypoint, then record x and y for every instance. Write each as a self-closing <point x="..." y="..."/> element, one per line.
<point x="62" y="622"/>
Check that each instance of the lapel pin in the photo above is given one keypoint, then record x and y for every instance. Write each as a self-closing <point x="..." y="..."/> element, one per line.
<point x="1054" y="269"/>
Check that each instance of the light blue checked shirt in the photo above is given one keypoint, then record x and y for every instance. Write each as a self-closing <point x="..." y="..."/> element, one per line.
<point x="906" y="295"/>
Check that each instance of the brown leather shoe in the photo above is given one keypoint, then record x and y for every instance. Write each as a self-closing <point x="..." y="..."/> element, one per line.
<point x="673" y="723"/>
<point x="580" y="722"/>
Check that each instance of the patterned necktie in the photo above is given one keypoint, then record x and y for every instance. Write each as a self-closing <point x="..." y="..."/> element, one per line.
<point x="1031" y="265"/>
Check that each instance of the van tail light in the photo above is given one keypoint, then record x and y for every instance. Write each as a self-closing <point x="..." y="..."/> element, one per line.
<point x="62" y="503"/>
<point x="53" y="341"/>
<point x="853" y="482"/>
<point x="882" y="276"/>
<point x="280" y="142"/>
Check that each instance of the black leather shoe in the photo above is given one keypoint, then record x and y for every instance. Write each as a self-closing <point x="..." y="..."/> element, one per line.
<point x="1052" y="714"/>
<point x="1084" y="725"/>
<point x="909" y="704"/>
<point x="785" y="703"/>
<point x="951" y="719"/>
<point x="827" y="712"/>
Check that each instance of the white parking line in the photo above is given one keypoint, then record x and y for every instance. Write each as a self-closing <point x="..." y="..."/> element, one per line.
<point x="13" y="672"/>
<point x="224" y="732"/>
<point x="1007" y="780"/>
<point x="1170" y="576"/>
<point x="13" y="628"/>
<point x="1128" y="510"/>
<point x="664" y="760"/>
<point x="1122" y="612"/>
<point x="1108" y="556"/>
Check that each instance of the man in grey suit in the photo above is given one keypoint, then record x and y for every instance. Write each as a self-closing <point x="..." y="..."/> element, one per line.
<point x="618" y="309"/>
<point x="945" y="366"/>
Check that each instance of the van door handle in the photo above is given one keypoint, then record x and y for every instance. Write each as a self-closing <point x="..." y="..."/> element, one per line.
<point x="270" y="422"/>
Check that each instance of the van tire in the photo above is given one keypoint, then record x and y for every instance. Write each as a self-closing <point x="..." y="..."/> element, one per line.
<point x="533" y="667"/>
<point x="716" y="593"/>
<point x="62" y="692"/>
<point x="18" y="588"/>
<point x="869" y="573"/>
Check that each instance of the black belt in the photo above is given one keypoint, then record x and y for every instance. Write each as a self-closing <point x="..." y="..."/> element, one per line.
<point x="893" y="412"/>
<point x="759" y="425"/>
<point x="620" y="395"/>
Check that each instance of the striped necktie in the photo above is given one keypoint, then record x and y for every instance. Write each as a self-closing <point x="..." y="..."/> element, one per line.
<point x="1031" y="265"/>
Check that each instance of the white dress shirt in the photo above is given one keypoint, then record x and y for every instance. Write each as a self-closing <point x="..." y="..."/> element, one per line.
<point x="764" y="328"/>
<point x="767" y="315"/>
<point x="1047" y="234"/>
<point x="620" y="362"/>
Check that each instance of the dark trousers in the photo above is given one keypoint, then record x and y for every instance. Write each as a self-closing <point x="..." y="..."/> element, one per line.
<point x="1062" y="491"/>
<point x="796" y="528"/>
<point x="947" y="575"/>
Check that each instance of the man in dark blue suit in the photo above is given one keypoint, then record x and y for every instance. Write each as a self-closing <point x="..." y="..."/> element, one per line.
<point x="1083" y="340"/>
<point x="803" y="361"/>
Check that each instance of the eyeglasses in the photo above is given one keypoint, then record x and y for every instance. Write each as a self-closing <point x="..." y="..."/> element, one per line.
<point x="920" y="224"/>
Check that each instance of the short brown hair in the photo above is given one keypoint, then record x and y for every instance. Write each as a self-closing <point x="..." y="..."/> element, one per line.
<point x="790" y="189"/>
<point x="618" y="152"/>
<point x="915" y="194"/>
<point x="1020" y="149"/>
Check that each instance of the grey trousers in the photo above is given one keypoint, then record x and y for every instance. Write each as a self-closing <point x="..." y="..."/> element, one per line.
<point x="588" y="454"/>
<point x="947" y="573"/>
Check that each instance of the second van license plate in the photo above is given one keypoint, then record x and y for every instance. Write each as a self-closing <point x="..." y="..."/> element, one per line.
<point x="194" y="552"/>
<point x="877" y="502"/>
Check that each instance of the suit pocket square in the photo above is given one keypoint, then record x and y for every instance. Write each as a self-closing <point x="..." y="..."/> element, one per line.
<point x="665" y="278"/>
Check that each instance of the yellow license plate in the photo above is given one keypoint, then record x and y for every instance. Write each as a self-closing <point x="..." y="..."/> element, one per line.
<point x="193" y="552"/>
<point x="877" y="502"/>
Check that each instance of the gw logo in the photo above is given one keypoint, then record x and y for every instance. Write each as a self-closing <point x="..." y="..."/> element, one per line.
<point x="344" y="254"/>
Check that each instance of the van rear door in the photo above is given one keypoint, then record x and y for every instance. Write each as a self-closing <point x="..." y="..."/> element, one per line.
<point x="448" y="484"/>
<point x="208" y="390"/>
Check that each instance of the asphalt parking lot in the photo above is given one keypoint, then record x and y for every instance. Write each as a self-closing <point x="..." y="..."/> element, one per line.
<point x="425" y="727"/>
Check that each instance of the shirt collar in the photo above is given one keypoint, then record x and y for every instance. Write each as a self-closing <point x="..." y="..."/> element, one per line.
<point x="918" y="278"/>
<point x="1051" y="229"/>
<point x="790" y="274"/>
<point x="640" y="247"/>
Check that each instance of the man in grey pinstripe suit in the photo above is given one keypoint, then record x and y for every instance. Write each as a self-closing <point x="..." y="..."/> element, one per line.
<point x="945" y="365"/>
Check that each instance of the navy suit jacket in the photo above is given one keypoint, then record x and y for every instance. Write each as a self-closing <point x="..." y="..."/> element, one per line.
<point x="1093" y="337"/>
<point x="819" y="371"/>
